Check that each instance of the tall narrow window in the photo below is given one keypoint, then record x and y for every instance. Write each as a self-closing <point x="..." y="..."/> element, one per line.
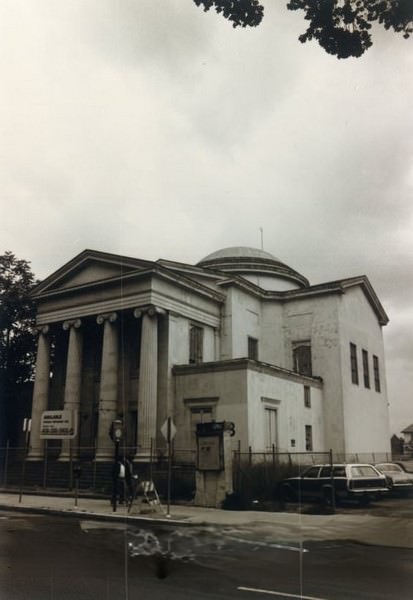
<point x="271" y="428"/>
<point x="302" y="358"/>
<point x="366" y="374"/>
<point x="353" y="363"/>
<point x="252" y="348"/>
<point x="196" y="343"/>
<point x="308" y="438"/>
<point x="307" y="396"/>
<point x="376" y="373"/>
<point x="199" y="415"/>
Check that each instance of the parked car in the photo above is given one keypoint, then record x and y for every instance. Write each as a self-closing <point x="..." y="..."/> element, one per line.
<point x="398" y="480"/>
<point x="361" y="482"/>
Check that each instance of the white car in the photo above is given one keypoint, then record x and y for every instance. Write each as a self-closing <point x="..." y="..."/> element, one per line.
<point x="397" y="478"/>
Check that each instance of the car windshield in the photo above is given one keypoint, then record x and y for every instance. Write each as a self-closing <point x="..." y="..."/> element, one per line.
<point x="363" y="471"/>
<point x="390" y="468"/>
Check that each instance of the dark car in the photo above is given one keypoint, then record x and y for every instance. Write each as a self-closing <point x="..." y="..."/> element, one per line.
<point x="398" y="480"/>
<point x="361" y="482"/>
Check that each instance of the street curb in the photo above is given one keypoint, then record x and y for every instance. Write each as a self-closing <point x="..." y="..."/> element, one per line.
<point x="92" y="516"/>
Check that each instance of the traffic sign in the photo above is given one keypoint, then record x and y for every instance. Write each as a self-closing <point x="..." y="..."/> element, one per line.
<point x="168" y="430"/>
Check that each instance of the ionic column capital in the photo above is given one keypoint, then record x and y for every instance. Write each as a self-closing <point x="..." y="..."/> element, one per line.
<point x="151" y="311"/>
<point x="43" y="329"/>
<point x="75" y="323"/>
<point x="111" y="317"/>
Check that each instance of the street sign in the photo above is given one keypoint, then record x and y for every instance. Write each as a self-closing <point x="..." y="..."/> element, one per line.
<point x="168" y="430"/>
<point x="58" y="425"/>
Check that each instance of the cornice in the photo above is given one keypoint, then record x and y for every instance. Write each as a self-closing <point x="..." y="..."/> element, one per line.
<point x="244" y="364"/>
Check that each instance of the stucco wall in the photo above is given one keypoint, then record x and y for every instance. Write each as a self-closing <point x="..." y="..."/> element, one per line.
<point x="316" y="319"/>
<point x="365" y="410"/>
<point x="241" y="396"/>
<point x="226" y="390"/>
<point x="287" y="397"/>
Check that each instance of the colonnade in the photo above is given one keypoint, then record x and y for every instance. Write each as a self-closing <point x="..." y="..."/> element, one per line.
<point x="108" y="401"/>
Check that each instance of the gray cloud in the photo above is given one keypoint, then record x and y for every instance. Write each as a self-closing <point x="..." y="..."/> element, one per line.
<point x="153" y="129"/>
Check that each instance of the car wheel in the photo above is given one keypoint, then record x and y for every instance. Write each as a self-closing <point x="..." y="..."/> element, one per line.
<point x="328" y="498"/>
<point x="286" y="493"/>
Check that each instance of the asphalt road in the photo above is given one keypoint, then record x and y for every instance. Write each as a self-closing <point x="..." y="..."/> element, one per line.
<point x="54" y="558"/>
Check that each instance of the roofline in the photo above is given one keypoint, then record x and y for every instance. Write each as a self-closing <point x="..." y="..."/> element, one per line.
<point x="62" y="271"/>
<point x="331" y="287"/>
<point x="237" y="364"/>
<point x="154" y="270"/>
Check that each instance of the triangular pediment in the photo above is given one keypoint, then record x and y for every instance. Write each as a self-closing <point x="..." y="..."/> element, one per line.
<point x="89" y="268"/>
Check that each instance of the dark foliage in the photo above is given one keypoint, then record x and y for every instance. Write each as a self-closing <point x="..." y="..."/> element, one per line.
<point x="17" y="320"/>
<point x="341" y="27"/>
<point x="240" y="12"/>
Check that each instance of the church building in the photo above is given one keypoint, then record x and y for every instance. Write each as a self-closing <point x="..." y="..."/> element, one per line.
<point x="240" y="336"/>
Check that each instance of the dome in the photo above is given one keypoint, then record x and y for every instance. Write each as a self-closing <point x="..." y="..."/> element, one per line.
<point x="240" y="252"/>
<point x="257" y="266"/>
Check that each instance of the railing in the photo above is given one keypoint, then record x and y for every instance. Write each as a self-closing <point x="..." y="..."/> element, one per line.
<point x="256" y="474"/>
<point x="94" y="476"/>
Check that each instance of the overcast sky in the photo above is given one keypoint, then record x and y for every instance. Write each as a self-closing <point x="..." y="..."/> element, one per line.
<point x="155" y="130"/>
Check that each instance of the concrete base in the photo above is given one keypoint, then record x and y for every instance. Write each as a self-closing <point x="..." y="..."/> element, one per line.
<point x="211" y="489"/>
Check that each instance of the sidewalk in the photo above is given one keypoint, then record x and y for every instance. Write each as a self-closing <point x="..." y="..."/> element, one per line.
<point x="281" y="526"/>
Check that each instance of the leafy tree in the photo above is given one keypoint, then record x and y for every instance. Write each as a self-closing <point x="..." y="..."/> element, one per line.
<point x="17" y="320"/>
<point x="341" y="27"/>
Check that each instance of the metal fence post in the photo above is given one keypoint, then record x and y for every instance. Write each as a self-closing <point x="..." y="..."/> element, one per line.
<point x="46" y="450"/>
<point x="333" y="491"/>
<point x="6" y="462"/>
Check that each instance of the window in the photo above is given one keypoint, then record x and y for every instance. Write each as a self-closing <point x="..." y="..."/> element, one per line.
<point x="307" y="396"/>
<point x="376" y="373"/>
<point x="366" y="374"/>
<point x="270" y="428"/>
<point x="308" y="438"/>
<point x="196" y="343"/>
<point x="252" y="348"/>
<point x="302" y="358"/>
<point x="353" y="363"/>
<point x="311" y="472"/>
<point x="202" y="414"/>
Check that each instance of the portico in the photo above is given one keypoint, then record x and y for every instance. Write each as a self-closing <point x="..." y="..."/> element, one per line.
<point x="100" y="353"/>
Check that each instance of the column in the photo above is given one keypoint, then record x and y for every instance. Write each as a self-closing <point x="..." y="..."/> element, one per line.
<point x="73" y="384"/>
<point x="148" y="383"/>
<point x="108" y="386"/>
<point x="40" y="393"/>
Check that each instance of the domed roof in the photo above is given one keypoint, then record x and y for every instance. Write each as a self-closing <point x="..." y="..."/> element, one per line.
<point x="243" y="260"/>
<point x="240" y="252"/>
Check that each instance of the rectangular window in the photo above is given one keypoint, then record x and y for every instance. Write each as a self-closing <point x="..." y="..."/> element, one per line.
<point x="366" y="375"/>
<point x="307" y="396"/>
<point x="271" y="428"/>
<point x="302" y="358"/>
<point x="308" y="438"/>
<point x="196" y="344"/>
<point x="353" y="363"/>
<point x="199" y="415"/>
<point x="376" y="373"/>
<point x="252" y="348"/>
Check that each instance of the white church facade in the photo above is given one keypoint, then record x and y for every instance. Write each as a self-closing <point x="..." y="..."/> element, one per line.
<point x="240" y="336"/>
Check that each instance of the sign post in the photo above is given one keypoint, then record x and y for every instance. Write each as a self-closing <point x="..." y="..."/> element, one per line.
<point x="168" y="431"/>
<point x="59" y="425"/>
<point x="116" y="434"/>
<point x="27" y="425"/>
